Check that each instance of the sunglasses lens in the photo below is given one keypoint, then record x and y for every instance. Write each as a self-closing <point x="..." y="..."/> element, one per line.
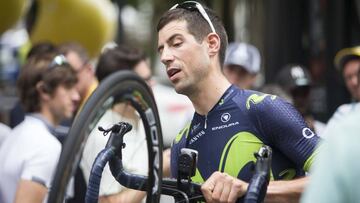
<point x="58" y="60"/>
<point x="195" y="6"/>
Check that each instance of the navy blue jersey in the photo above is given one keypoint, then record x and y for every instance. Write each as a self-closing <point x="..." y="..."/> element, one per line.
<point x="237" y="126"/>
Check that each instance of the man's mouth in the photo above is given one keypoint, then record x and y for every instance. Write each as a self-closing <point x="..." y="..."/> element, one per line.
<point x="172" y="71"/>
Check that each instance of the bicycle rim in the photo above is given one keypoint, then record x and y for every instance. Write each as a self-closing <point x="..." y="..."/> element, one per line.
<point x="123" y="85"/>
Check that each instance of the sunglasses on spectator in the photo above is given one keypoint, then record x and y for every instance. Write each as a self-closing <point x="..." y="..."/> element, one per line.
<point x="195" y="6"/>
<point x="59" y="60"/>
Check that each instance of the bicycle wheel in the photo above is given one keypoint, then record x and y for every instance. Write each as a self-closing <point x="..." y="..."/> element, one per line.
<point x="123" y="86"/>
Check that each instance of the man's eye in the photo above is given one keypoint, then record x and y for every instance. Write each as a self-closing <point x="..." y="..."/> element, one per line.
<point x="177" y="44"/>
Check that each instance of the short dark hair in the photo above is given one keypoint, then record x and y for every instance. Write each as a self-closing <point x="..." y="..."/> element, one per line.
<point x="41" y="48"/>
<point x="121" y="57"/>
<point x="198" y="26"/>
<point x="37" y="69"/>
<point x="67" y="47"/>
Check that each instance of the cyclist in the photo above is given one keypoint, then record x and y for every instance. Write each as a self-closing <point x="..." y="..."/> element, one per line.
<point x="30" y="153"/>
<point x="229" y="123"/>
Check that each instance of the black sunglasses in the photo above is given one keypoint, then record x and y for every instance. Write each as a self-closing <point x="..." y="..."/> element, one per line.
<point x="193" y="5"/>
<point x="59" y="60"/>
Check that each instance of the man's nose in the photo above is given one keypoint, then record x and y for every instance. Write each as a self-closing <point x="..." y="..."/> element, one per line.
<point x="75" y="95"/>
<point x="166" y="56"/>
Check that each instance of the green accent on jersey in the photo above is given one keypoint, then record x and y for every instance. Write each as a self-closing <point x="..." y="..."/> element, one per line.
<point x="182" y="132"/>
<point x="238" y="152"/>
<point x="288" y="174"/>
<point x="221" y="102"/>
<point x="310" y="160"/>
<point x="255" y="99"/>
<point x="197" y="178"/>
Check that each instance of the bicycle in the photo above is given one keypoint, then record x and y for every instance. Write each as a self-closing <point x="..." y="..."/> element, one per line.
<point x="126" y="86"/>
<point x="182" y="189"/>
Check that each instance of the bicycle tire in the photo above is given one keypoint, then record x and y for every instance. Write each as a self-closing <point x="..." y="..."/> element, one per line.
<point x="123" y="85"/>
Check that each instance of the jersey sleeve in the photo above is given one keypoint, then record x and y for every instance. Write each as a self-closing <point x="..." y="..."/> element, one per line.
<point x="286" y="130"/>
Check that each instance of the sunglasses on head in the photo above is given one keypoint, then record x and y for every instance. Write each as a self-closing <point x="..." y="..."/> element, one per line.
<point x="195" y="6"/>
<point x="59" y="60"/>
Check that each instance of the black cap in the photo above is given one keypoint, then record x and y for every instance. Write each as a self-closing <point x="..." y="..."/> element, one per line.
<point x="294" y="75"/>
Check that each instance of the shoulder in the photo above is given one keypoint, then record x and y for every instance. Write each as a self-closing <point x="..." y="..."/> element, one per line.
<point x="344" y="109"/>
<point x="259" y="102"/>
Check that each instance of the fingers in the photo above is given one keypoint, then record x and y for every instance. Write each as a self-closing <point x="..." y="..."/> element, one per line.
<point x="208" y="187"/>
<point x="220" y="187"/>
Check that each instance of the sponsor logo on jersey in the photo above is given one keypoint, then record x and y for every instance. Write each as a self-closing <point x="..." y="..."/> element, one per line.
<point x="196" y="137"/>
<point x="195" y="127"/>
<point x="256" y="99"/>
<point x="225" y="117"/>
<point x="225" y="126"/>
<point x="221" y="102"/>
<point x="307" y="133"/>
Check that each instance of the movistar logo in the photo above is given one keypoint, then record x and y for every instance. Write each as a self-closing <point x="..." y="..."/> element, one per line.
<point x="221" y="102"/>
<point x="255" y="99"/>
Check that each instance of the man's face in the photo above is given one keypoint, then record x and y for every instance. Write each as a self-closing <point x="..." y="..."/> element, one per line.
<point x="82" y="70"/>
<point x="63" y="102"/>
<point x="350" y="71"/>
<point x="239" y="76"/>
<point x="185" y="59"/>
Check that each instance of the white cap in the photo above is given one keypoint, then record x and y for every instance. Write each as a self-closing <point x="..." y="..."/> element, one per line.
<point x="244" y="55"/>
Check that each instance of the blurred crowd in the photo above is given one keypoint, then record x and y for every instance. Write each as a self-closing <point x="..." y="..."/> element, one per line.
<point x="56" y="79"/>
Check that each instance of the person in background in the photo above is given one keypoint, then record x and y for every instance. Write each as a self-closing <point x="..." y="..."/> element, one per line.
<point x="296" y="81"/>
<point x="80" y="61"/>
<point x="242" y="64"/>
<point x="17" y="113"/>
<point x="119" y="58"/>
<point x="347" y="62"/>
<point x="4" y="131"/>
<point x="335" y="175"/>
<point x="46" y="86"/>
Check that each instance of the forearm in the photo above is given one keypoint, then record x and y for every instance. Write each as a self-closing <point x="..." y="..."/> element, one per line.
<point x="285" y="191"/>
<point x="128" y="195"/>
<point x="30" y="192"/>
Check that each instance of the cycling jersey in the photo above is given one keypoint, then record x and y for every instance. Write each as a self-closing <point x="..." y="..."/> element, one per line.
<point x="237" y="126"/>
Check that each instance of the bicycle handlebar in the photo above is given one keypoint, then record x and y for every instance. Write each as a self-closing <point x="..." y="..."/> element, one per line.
<point x="258" y="184"/>
<point x="182" y="190"/>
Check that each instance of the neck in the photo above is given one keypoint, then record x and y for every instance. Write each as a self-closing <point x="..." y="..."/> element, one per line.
<point x="45" y="112"/>
<point x="209" y="92"/>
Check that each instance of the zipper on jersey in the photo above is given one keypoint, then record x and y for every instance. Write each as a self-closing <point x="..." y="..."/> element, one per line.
<point x="205" y="124"/>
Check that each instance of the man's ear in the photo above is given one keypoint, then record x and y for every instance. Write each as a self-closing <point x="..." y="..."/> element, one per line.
<point x="214" y="42"/>
<point x="43" y="90"/>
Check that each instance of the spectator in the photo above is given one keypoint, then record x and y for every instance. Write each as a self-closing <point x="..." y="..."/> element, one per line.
<point x="29" y="155"/>
<point x="242" y="64"/>
<point x="17" y="113"/>
<point x="4" y="131"/>
<point x="80" y="61"/>
<point x="347" y="62"/>
<point x="296" y="81"/>
<point x="335" y="176"/>
<point x="135" y="153"/>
